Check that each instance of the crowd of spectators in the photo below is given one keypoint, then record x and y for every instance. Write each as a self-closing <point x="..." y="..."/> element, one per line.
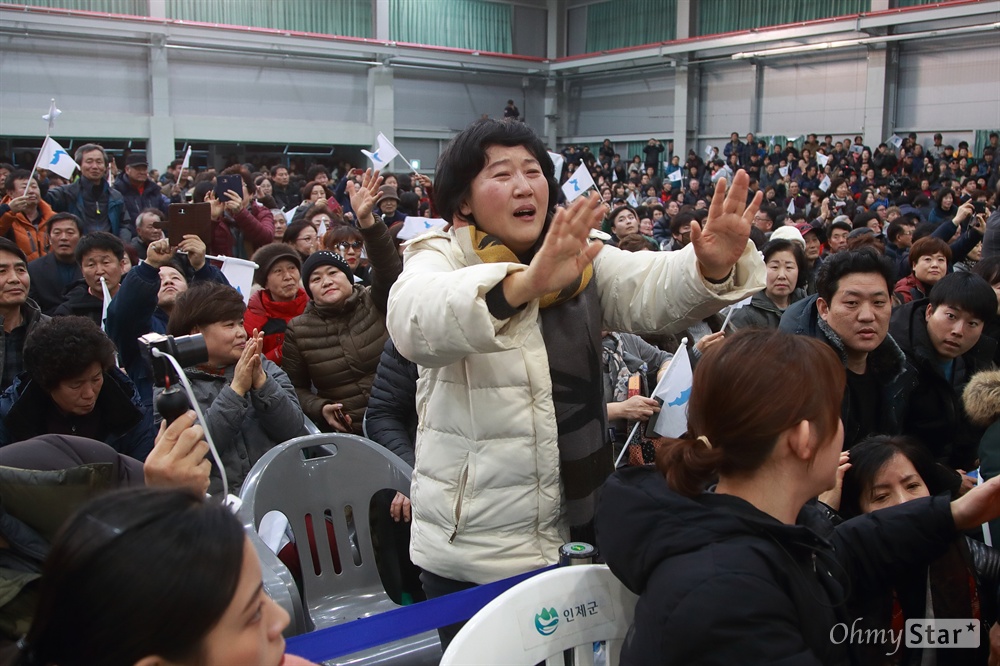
<point x="888" y="257"/>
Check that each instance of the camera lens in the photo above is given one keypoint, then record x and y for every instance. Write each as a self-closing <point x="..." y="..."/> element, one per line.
<point x="190" y="350"/>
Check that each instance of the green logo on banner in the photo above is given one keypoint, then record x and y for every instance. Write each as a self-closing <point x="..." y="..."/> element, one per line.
<point x="547" y="621"/>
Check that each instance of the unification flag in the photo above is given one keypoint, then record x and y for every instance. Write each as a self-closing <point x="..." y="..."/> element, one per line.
<point x="578" y="183"/>
<point x="675" y="176"/>
<point x="825" y="183"/>
<point x="384" y="154"/>
<point x="674" y="392"/>
<point x="822" y="160"/>
<point x="239" y="272"/>
<point x="54" y="157"/>
<point x="187" y="159"/>
<point x="557" y="161"/>
<point x="414" y="226"/>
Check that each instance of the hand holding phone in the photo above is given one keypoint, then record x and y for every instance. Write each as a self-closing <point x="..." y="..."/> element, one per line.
<point x="335" y="417"/>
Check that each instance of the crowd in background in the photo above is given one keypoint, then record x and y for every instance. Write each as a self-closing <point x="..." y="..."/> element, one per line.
<point x="890" y="257"/>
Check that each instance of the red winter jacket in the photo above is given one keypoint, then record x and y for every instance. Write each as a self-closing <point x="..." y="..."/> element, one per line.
<point x="241" y="234"/>
<point x="272" y="317"/>
<point x="909" y="289"/>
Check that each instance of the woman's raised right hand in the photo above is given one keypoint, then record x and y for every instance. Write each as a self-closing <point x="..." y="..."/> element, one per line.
<point x="243" y="375"/>
<point x="564" y="254"/>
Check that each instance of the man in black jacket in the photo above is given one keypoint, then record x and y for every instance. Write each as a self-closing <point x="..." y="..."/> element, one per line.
<point x="53" y="273"/>
<point x="943" y="342"/>
<point x="99" y="254"/>
<point x="138" y="190"/>
<point x="19" y="315"/>
<point x="850" y="312"/>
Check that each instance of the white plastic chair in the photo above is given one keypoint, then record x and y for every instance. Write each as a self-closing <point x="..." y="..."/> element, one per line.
<point x="569" y="608"/>
<point x="343" y="471"/>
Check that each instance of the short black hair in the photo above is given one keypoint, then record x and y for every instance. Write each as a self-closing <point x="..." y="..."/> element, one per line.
<point x="843" y="225"/>
<point x="896" y="228"/>
<point x="465" y="156"/>
<point x="201" y="190"/>
<point x="293" y="230"/>
<point x="203" y="304"/>
<point x="869" y="456"/>
<point x="861" y="220"/>
<point x="58" y="217"/>
<point x="18" y="174"/>
<point x="842" y="264"/>
<point x="315" y="170"/>
<point x="7" y="245"/>
<point x="771" y="212"/>
<point x="63" y="348"/>
<point x="680" y="219"/>
<point x="100" y="240"/>
<point x="967" y="292"/>
<point x="785" y="245"/>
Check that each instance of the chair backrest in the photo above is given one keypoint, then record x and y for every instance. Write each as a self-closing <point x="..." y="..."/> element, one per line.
<point x="566" y="608"/>
<point x="324" y="484"/>
<point x="278" y="582"/>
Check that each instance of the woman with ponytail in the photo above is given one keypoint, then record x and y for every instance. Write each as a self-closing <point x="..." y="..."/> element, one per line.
<point x="733" y="561"/>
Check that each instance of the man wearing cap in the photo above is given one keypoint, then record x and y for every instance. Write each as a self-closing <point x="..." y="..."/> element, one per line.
<point x="814" y="238"/>
<point x="138" y="190"/>
<point x="18" y="314"/>
<point x="388" y="206"/>
<point x="280" y="299"/>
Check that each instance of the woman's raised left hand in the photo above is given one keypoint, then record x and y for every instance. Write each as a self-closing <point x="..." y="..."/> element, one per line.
<point x="364" y="198"/>
<point x="720" y="242"/>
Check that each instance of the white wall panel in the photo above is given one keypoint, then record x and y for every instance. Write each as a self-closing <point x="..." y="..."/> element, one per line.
<point x="284" y="90"/>
<point x="726" y="94"/>
<point x="625" y="105"/>
<point x="949" y="85"/>
<point x="85" y="77"/>
<point x="449" y="102"/>
<point x="425" y="150"/>
<point x="821" y="95"/>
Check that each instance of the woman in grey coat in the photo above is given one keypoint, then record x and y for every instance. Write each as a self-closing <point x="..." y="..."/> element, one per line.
<point x="787" y="274"/>
<point x="248" y="401"/>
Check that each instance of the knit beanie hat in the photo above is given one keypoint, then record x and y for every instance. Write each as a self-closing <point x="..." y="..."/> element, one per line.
<point x="324" y="258"/>
<point x="267" y="256"/>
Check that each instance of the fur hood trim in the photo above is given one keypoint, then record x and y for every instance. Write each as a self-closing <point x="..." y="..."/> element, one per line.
<point x="982" y="397"/>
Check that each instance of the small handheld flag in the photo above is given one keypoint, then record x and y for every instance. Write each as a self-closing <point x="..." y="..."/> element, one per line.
<point x="384" y="153"/>
<point x="54" y="157"/>
<point x="578" y="183"/>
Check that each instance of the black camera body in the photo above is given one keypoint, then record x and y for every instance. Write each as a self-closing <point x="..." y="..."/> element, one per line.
<point x="188" y="350"/>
